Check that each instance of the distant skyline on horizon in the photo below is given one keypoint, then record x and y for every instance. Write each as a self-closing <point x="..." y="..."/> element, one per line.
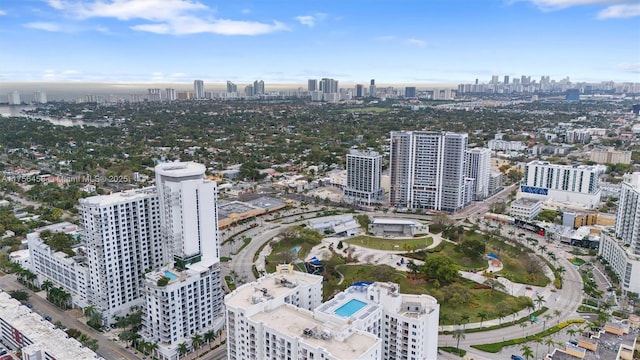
<point x="400" y="42"/>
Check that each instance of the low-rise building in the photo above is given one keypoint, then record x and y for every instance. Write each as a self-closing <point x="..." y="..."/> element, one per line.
<point x="21" y="328"/>
<point x="616" y="341"/>
<point x="340" y="225"/>
<point x="526" y="209"/>
<point x="397" y="227"/>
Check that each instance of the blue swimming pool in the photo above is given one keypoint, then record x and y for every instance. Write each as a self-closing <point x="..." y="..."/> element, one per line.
<point x="169" y="275"/>
<point x="350" y="308"/>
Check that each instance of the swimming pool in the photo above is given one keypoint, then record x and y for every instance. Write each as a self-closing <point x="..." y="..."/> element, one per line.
<point x="169" y="275"/>
<point x="350" y="308"/>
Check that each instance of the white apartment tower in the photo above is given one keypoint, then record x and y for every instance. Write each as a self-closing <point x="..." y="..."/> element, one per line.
<point x="623" y="252"/>
<point x="40" y="97"/>
<point x="563" y="183"/>
<point x="188" y="212"/>
<point x="198" y="89"/>
<point x="364" y="170"/>
<point x="184" y="298"/>
<point x="427" y="170"/>
<point x="170" y="94"/>
<point x="272" y="318"/>
<point x="13" y="98"/>
<point x="122" y="236"/>
<point x="478" y="165"/>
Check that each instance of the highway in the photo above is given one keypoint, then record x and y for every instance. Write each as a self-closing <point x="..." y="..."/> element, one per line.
<point x="107" y="348"/>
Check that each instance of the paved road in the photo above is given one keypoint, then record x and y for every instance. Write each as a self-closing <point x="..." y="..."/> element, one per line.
<point x="108" y="349"/>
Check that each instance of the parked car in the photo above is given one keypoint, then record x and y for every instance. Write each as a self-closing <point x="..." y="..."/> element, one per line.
<point x="516" y="357"/>
<point x="48" y="318"/>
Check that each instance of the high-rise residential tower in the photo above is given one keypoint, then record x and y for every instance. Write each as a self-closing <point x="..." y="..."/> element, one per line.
<point x="427" y="170"/>
<point x="312" y="85"/>
<point x="622" y="251"/>
<point x="188" y="210"/>
<point x="258" y="87"/>
<point x="231" y="87"/>
<point x="478" y="165"/>
<point x="364" y="170"/>
<point x="40" y="97"/>
<point x="185" y="298"/>
<point x="410" y="92"/>
<point x="170" y="94"/>
<point x="123" y="241"/>
<point x="13" y="98"/>
<point x="198" y="89"/>
<point x="372" y="88"/>
<point x="359" y="90"/>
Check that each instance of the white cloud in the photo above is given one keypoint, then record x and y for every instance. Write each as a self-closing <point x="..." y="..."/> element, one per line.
<point x="311" y="20"/>
<point x="2" y="13"/>
<point x="612" y="8"/>
<point x="177" y="17"/>
<point x="191" y="25"/>
<point x="245" y="11"/>
<point x="629" y="67"/>
<point x="45" y="26"/>
<point x="620" y="11"/>
<point x="416" y="42"/>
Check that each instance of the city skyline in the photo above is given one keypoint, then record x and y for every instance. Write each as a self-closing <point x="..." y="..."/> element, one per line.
<point x="406" y="42"/>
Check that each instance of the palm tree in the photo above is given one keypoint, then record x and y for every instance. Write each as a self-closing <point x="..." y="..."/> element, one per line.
<point x="196" y="341"/>
<point x="89" y="310"/>
<point x="549" y="342"/>
<point x="531" y="307"/>
<point x="526" y="352"/>
<point x="571" y="332"/>
<point x="539" y="300"/>
<point x="523" y="325"/>
<point x="46" y="285"/>
<point x="542" y="248"/>
<point x="152" y="347"/>
<point x="482" y="314"/>
<point x="183" y="348"/>
<point x="209" y="336"/>
<point x="464" y="319"/>
<point x="458" y="334"/>
<point x="538" y="341"/>
<point x="557" y="314"/>
<point x="561" y="270"/>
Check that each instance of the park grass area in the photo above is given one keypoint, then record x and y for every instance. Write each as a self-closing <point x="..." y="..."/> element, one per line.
<point x="511" y="257"/>
<point x="453" y="350"/>
<point x="377" y="243"/>
<point x="576" y="261"/>
<point x="492" y="301"/>
<point x="497" y="347"/>
<point x="292" y="248"/>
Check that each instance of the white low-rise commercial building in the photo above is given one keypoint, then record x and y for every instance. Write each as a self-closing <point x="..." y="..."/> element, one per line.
<point x="526" y="209"/>
<point x="271" y="319"/>
<point x="341" y="225"/>
<point x="21" y="328"/>
<point x="397" y="227"/>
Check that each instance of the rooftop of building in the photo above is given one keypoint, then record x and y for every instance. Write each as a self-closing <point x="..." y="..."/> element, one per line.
<point x="65" y="227"/>
<point x="607" y="343"/>
<point x="409" y="306"/>
<point x="180" y="169"/>
<point x="585" y="167"/>
<point x="266" y="202"/>
<point x="395" y="221"/>
<point x="226" y="208"/>
<point x="299" y="323"/>
<point x="526" y="202"/>
<point x="42" y="333"/>
<point x="269" y="287"/>
<point x="365" y="153"/>
<point x="119" y="197"/>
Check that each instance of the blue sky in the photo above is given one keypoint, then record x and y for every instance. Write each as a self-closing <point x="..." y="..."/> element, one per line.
<point x="400" y="41"/>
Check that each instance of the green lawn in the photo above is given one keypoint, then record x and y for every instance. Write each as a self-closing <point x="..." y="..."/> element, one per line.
<point x="492" y="301"/>
<point x="510" y="255"/>
<point x="390" y="244"/>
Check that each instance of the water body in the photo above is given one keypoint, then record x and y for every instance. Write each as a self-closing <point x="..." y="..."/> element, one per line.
<point x="9" y="111"/>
